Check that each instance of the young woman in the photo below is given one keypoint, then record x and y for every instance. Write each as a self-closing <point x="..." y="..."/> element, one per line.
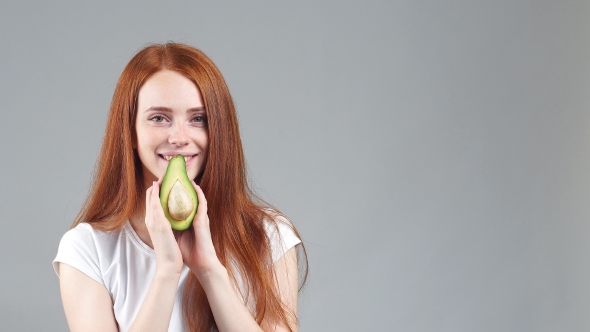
<point x="122" y="267"/>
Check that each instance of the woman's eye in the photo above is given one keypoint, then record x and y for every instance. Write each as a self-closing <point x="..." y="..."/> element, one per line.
<point x="157" y="118"/>
<point x="199" y="119"/>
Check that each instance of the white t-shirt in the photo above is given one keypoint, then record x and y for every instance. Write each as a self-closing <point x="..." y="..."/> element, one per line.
<point x="125" y="265"/>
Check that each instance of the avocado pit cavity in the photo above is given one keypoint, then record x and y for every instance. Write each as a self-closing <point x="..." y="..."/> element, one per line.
<point x="180" y="203"/>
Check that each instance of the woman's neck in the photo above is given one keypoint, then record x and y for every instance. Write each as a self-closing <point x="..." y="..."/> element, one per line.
<point x="137" y="221"/>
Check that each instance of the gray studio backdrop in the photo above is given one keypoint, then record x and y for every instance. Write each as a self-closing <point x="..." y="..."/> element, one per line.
<point x="435" y="155"/>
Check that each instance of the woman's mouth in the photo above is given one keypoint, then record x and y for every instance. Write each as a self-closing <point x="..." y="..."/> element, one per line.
<point x="187" y="158"/>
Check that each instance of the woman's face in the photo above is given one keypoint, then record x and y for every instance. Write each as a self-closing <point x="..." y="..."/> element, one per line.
<point x="171" y="120"/>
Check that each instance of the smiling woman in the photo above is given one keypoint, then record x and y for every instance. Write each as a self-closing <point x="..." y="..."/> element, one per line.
<point x="122" y="267"/>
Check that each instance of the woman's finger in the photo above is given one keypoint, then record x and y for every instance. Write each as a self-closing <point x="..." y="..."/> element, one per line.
<point x="155" y="190"/>
<point x="148" y="194"/>
<point x="202" y="208"/>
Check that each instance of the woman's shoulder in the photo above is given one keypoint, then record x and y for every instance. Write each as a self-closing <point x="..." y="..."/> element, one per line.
<point x="77" y="248"/>
<point x="85" y="247"/>
<point x="85" y="234"/>
<point x="104" y="242"/>
<point x="281" y="233"/>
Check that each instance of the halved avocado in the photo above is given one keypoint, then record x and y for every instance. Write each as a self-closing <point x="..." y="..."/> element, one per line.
<point x="177" y="195"/>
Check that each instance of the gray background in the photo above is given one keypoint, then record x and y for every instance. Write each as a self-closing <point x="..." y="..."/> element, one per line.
<point x="435" y="155"/>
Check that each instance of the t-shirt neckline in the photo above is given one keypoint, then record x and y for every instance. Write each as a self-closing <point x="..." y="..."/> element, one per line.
<point x="137" y="240"/>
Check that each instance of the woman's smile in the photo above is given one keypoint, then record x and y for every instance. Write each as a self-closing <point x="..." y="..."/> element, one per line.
<point x="189" y="159"/>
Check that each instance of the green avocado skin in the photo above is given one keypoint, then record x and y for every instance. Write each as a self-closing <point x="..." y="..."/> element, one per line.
<point x="176" y="170"/>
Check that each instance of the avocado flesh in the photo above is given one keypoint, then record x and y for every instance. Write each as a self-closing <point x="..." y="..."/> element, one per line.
<point x="177" y="195"/>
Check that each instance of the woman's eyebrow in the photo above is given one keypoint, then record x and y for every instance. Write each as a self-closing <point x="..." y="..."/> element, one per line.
<point x="159" y="109"/>
<point x="196" y="109"/>
<point x="169" y="110"/>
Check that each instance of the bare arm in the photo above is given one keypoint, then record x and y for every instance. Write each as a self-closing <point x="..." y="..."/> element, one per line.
<point x="156" y="309"/>
<point x="88" y="305"/>
<point x="229" y="310"/>
<point x="86" y="302"/>
<point x="286" y="270"/>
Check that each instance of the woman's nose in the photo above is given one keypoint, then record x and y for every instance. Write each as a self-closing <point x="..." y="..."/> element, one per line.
<point x="178" y="136"/>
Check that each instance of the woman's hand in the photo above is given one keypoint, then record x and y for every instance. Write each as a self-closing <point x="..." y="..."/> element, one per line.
<point x="195" y="243"/>
<point x="168" y="255"/>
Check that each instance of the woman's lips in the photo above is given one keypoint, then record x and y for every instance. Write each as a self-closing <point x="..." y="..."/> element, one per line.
<point x="187" y="158"/>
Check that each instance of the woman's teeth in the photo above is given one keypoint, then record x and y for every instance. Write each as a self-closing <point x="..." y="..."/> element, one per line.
<point x="186" y="158"/>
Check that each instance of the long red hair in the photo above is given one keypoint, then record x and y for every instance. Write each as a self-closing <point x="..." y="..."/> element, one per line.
<point x="236" y="214"/>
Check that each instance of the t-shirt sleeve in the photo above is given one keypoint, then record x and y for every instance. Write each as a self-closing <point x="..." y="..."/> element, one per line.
<point x="281" y="236"/>
<point x="77" y="249"/>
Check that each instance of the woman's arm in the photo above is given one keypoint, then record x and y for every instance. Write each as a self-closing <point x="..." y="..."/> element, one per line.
<point x="88" y="306"/>
<point x="156" y="309"/>
<point x="229" y="310"/>
<point x="287" y="273"/>
<point x="87" y="303"/>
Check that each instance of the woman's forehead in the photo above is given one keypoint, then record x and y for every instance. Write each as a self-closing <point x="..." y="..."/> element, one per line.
<point x="169" y="89"/>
